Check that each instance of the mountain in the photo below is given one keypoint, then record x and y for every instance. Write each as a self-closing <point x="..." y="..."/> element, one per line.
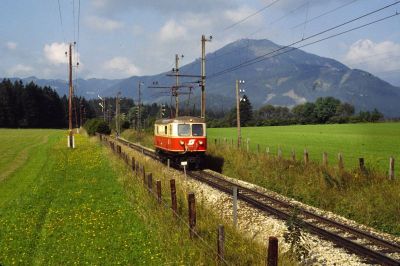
<point x="288" y="79"/>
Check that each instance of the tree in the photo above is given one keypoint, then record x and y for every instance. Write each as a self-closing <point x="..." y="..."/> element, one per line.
<point x="376" y="115"/>
<point x="305" y="113"/>
<point x="246" y="111"/>
<point x="325" y="108"/>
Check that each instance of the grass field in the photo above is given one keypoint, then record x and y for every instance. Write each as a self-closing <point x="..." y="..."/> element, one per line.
<point x="62" y="207"/>
<point x="374" y="142"/>
<point x="83" y="206"/>
<point x="368" y="197"/>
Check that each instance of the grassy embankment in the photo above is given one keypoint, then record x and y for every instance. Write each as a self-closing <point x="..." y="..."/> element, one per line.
<point x="62" y="207"/>
<point x="367" y="197"/>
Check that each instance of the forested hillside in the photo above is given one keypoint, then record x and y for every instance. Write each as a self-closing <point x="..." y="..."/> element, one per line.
<point x="31" y="106"/>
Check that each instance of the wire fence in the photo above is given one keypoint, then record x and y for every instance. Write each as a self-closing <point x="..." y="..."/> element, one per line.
<point x="213" y="242"/>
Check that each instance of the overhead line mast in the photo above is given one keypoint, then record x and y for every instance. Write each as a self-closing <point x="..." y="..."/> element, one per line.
<point x="71" y="143"/>
<point x="203" y="75"/>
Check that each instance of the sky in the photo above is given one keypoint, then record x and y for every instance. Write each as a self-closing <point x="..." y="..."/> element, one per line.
<point x="121" y="38"/>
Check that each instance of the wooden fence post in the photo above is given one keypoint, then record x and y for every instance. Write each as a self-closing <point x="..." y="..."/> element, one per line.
<point x="340" y="162"/>
<point x="305" y="156"/>
<point x="247" y="144"/>
<point x="272" y="259"/>
<point x="221" y="244"/>
<point x="325" y="159"/>
<point x="150" y="182"/>
<point x="158" y="185"/>
<point x="361" y="163"/>
<point x="279" y="153"/>
<point x="192" y="214"/>
<point x="391" y="168"/>
<point x="234" y="207"/>
<point x="133" y="164"/>
<point x="293" y="155"/>
<point x="174" y="205"/>
<point x="267" y="151"/>
<point x="144" y="175"/>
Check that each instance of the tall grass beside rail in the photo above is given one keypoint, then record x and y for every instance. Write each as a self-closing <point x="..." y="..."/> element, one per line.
<point x="201" y="250"/>
<point x="367" y="197"/>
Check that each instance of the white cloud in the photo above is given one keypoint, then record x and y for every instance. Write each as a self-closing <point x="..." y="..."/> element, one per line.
<point x="20" y="71"/>
<point x="55" y="53"/>
<point x="103" y="24"/>
<point x="172" y="31"/>
<point x="11" y="45"/>
<point x="121" y="67"/>
<point x="374" y="57"/>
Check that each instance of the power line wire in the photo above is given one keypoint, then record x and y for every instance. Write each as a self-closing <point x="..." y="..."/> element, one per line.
<point x="73" y="18"/>
<point x="324" y="14"/>
<point x="251" y="15"/>
<point x="61" y="21"/>
<point x="262" y="58"/>
<point x="280" y="18"/>
<point x="314" y="35"/>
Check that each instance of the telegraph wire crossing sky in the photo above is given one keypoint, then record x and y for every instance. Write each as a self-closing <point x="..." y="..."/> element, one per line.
<point x="121" y="38"/>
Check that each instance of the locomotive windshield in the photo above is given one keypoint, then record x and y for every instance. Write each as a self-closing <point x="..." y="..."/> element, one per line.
<point x="183" y="130"/>
<point x="197" y="130"/>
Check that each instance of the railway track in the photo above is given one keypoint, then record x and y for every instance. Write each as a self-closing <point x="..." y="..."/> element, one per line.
<point x="374" y="249"/>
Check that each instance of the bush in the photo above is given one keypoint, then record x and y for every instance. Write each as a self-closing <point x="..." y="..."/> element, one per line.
<point x="96" y="125"/>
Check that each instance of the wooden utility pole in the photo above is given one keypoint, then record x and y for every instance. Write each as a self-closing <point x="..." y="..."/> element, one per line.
<point x="203" y="75"/>
<point x="139" y="118"/>
<point x="80" y="113"/>
<point x="117" y="114"/>
<point x="176" y="85"/>
<point x="70" y="89"/>
<point x="238" y="111"/>
<point x="70" y="97"/>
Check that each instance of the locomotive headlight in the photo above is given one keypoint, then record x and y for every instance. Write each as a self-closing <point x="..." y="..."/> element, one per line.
<point x="200" y="142"/>
<point x="181" y="142"/>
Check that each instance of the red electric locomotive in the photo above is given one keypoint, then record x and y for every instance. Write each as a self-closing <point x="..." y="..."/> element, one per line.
<point x="181" y="139"/>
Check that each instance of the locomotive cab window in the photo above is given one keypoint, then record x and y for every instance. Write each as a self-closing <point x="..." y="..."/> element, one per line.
<point x="197" y="130"/>
<point x="183" y="130"/>
<point x="165" y="130"/>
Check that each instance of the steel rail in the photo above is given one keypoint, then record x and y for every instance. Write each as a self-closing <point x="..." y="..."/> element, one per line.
<point x="258" y="199"/>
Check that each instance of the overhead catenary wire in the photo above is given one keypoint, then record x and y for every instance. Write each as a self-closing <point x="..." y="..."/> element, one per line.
<point x="251" y="15"/>
<point x="216" y="56"/>
<point x="324" y="14"/>
<point x="255" y="60"/>
<point x="61" y="20"/>
<point x="295" y="48"/>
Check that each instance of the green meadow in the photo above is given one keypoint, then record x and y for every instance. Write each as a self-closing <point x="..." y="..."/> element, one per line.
<point x="375" y="142"/>
<point x="61" y="206"/>
<point x="84" y="206"/>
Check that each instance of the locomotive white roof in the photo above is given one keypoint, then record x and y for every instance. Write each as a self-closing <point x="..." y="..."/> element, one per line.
<point x="180" y="119"/>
